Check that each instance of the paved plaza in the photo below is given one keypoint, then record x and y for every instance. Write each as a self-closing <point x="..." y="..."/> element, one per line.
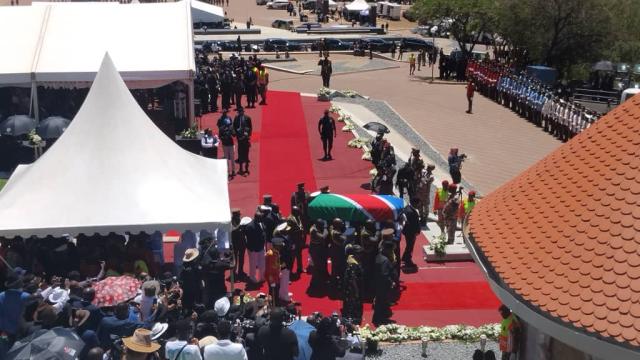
<point x="499" y="143"/>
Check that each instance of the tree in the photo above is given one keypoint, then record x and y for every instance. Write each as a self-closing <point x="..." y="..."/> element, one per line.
<point x="557" y="33"/>
<point x="471" y="18"/>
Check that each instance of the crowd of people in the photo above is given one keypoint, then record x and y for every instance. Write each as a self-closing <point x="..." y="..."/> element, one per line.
<point x="530" y="99"/>
<point x="234" y="80"/>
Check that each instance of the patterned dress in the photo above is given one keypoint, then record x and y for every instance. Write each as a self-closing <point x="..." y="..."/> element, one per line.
<point x="352" y="287"/>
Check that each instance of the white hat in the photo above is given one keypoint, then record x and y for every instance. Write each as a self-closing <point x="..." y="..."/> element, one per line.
<point x="58" y="296"/>
<point x="158" y="329"/>
<point x="221" y="306"/>
<point x="283" y="227"/>
<point x="265" y="208"/>
<point x="245" y="221"/>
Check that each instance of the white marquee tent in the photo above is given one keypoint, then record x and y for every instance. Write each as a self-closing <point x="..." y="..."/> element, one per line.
<point x="206" y="13"/>
<point x="357" y="5"/>
<point x="62" y="44"/>
<point x="113" y="170"/>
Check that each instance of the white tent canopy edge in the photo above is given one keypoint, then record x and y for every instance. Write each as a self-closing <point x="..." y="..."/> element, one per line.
<point x="113" y="170"/>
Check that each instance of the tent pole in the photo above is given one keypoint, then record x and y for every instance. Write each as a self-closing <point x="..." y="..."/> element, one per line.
<point x="190" y="98"/>
<point x="34" y="99"/>
<point x="6" y="263"/>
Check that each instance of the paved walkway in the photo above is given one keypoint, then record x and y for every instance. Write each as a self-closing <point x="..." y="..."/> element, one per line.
<point x="499" y="143"/>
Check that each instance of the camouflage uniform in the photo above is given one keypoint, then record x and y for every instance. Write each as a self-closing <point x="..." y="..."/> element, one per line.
<point x="423" y="192"/>
<point x="451" y="217"/>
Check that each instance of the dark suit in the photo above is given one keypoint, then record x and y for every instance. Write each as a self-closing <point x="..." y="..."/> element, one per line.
<point x="255" y="236"/>
<point x="242" y="128"/>
<point x="384" y="275"/>
<point x="410" y="231"/>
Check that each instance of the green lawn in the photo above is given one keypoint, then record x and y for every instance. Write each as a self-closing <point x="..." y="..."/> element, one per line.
<point x="2" y="182"/>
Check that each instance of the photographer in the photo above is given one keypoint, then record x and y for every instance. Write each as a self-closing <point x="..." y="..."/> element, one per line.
<point x="275" y="340"/>
<point x="455" y="165"/>
<point x="324" y="345"/>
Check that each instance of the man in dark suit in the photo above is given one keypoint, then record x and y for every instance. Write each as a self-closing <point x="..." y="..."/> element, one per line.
<point x="242" y="130"/>
<point x="256" y="239"/>
<point x="410" y="230"/>
<point x="384" y="275"/>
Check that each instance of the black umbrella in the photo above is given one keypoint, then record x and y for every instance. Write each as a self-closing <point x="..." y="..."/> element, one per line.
<point x="376" y="127"/>
<point x="52" y="127"/>
<point x="17" y="125"/>
<point x="603" y="66"/>
<point x="55" y="344"/>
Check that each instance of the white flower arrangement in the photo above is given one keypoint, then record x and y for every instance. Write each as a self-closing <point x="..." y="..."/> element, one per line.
<point x="348" y="127"/>
<point x="373" y="172"/>
<point x="439" y="245"/>
<point x="401" y="333"/>
<point x="190" y="133"/>
<point x="344" y="118"/>
<point x="335" y="109"/>
<point x="34" y="138"/>
<point x="366" y="155"/>
<point x="357" y="143"/>
<point x="324" y="91"/>
<point x="350" y="93"/>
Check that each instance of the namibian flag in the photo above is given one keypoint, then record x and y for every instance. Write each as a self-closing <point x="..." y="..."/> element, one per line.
<point x="355" y="207"/>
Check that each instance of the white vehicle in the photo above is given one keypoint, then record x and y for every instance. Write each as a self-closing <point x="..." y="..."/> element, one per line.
<point x="628" y="93"/>
<point x="278" y="4"/>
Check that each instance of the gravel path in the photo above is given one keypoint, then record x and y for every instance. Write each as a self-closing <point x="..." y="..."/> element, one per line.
<point x="449" y="350"/>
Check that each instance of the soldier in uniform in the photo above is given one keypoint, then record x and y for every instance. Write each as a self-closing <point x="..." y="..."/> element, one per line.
<point x="300" y="199"/>
<point x="450" y="213"/>
<point x="369" y="240"/>
<point x="423" y="192"/>
<point x="242" y="130"/>
<point x="405" y="176"/>
<point x="318" y="249"/>
<point x="297" y="238"/>
<point x="336" y="252"/>
<point x="376" y="148"/>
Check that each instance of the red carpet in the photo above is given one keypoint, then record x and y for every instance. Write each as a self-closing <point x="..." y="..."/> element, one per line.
<point x="286" y="149"/>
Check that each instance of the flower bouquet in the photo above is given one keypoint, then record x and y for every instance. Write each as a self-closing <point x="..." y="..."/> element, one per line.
<point x="366" y="155"/>
<point x="34" y="139"/>
<point x="344" y="118"/>
<point x="356" y="143"/>
<point x="190" y="133"/>
<point x="439" y="245"/>
<point x="348" y="127"/>
<point x="324" y="94"/>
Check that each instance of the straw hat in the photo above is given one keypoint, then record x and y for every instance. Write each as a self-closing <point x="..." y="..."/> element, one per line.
<point x="141" y="342"/>
<point x="207" y="340"/>
<point x="190" y="255"/>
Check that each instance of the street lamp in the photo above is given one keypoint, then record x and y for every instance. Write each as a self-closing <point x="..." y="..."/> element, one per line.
<point x="433" y="36"/>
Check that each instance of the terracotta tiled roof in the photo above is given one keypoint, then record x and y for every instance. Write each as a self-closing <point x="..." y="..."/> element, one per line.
<point x="564" y="235"/>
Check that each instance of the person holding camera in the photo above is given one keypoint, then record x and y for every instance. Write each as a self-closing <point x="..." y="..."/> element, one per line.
<point x="324" y="345"/>
<point x="225" y="348"/>
<point x="455" y="165"/>
<point x="275" y="340"/>
<point x="242" y="130"/>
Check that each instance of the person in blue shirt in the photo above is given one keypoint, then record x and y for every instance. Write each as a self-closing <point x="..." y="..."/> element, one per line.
<point x="12" y="305"/>
<point x="120" y="325"/>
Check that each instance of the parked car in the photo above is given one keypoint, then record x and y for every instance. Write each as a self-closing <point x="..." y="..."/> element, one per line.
<point x="278" y="4"/>
<point x="377" y="44"/>
<point x="333" y="44"/>
<point x="415" y="44"/>
<point x="261" y="2"/>
<point x="311" y="5"/>
<point x="282" y="24"/>
<point x="228" y="46"/>
<point x="280" y="45"/>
